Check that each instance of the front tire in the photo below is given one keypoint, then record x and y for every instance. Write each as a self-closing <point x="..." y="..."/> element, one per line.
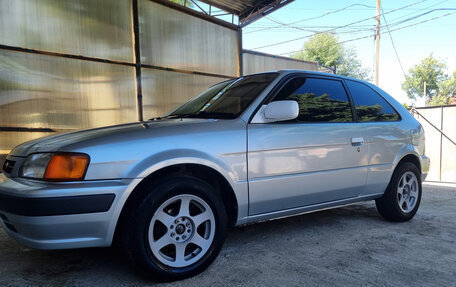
<point x="177" y="230"/>
<point x="403" y="194"/>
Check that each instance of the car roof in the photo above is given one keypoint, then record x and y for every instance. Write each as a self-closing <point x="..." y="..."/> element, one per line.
<point x="309" y="72"/>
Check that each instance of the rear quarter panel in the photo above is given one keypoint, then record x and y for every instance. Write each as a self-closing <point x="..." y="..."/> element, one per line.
<point x="388" y="143"/>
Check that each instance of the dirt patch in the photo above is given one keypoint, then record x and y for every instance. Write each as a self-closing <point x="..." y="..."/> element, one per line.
<point x="346" y="246"/>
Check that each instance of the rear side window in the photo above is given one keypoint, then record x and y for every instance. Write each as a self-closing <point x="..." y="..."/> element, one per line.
<point x="319" y="100"/>
<point x="370" y="106"/>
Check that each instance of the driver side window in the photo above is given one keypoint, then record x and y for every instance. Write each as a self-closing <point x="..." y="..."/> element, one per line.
<point x="319" y="100"/>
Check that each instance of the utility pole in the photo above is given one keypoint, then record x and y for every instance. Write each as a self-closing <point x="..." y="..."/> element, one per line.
<point x="377" y="42"/>
<point x="425" y="91"/>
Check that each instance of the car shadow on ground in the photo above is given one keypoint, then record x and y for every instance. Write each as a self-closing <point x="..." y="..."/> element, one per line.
<point x="102" y="266"/>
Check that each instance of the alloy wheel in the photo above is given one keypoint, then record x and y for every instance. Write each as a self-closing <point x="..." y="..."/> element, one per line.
<point x="181" y="230"/>
<point x="407" y="192"/>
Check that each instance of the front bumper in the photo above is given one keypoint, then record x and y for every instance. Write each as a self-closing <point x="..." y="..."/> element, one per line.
<point x="61" y="215"/>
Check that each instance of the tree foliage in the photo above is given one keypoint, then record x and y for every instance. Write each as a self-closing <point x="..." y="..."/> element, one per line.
<point x="405" y="105"/>
<point x="351" y="66"/>
<point x="447" y="91"/>
<point x="325" y="49"/>
<point x="429" y="70"/>
<point x="447" y="88"/>
<point x="439" y="100"/>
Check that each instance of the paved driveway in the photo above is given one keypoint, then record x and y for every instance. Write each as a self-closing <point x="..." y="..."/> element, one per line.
<point x="346" y="246"/>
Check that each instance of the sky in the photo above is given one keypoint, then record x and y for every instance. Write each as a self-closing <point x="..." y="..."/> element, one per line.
<point x="436" y="36"/>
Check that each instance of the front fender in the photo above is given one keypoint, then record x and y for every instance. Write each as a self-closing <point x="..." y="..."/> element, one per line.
<point x="162" y="160"/>
<point x="232" y="170"/>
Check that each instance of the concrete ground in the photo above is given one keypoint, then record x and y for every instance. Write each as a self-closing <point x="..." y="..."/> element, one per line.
<point x="346" y="246"/>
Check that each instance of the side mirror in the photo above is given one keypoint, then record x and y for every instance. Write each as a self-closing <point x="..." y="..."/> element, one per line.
<point x="277" y="112"/>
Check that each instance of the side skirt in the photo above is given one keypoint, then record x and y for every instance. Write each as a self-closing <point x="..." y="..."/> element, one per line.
<point x="305" y="209"/>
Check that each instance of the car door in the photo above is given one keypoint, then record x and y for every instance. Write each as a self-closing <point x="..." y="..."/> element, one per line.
<point x="319" y="157"/>
<point x="383" y="133"/>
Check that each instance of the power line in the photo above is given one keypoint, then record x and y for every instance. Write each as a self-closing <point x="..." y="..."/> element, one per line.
<point x="392" y="42"/>
<point x="298" y="28"/>
<point x="325" y="26"/>
<point x="342" y="42"/>
<point x="315" y="31"/>
<point x="420" y="15"/>
<point x="423" y="9"/>
<point x="360" y="27"/>
<point x="343" y="26"/>
<point x="368" y="36"/>
<point x="307" y="19"/>
<point x="361" y="30"/>
<point x="319" y="31"/>
<point x="432" y="19"/>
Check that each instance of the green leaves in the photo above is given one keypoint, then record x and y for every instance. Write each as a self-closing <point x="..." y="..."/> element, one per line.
<point x="439" y="100"/>
<point x="447" y="88"/>
<point x="429" y="70"/>
<point x="351" y="66"/>
<point x="325" y="49"/>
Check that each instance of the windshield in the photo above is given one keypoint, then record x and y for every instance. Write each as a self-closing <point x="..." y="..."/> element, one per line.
<point x="226" y="100"/>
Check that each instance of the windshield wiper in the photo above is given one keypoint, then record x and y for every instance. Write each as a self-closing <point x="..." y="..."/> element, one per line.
<point x="171" y="117"/>
<point x="156" y="119"/>
<point x="213" y="115"/>
<point x="174" y="116"/>
<point x="202" y="115"/>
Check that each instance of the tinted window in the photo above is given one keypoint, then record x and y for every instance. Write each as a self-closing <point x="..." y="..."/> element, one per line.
<point x="319" y="100"/>
<point x="227" y="99"/>
<point x="370" y="106"/>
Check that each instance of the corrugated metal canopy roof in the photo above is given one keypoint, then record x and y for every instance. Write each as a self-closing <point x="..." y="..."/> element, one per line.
<point x="248" y="10"/>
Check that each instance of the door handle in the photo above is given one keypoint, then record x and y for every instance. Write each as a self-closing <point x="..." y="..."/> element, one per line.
<point x="357" y="141"/>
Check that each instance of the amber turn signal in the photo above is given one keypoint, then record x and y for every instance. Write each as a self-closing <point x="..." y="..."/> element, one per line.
<point x="66" y="167"/>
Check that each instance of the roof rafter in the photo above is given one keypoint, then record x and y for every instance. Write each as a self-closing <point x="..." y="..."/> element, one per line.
<point x="248" y="10"/>
<point x="260" y="10"/>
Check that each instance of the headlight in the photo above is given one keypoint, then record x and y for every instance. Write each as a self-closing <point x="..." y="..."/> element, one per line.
<point x="55" y="166"/>
<point x="35" y="165"/>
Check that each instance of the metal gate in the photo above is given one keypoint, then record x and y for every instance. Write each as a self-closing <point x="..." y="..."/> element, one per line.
<point x="439" y="124"/>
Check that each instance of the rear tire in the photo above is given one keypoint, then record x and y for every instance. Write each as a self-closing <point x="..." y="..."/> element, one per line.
<point x="403" y="194"/>
<point x="177" y="230"/>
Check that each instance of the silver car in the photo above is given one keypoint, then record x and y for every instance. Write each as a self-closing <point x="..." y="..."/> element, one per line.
<point x="255" y="148"/>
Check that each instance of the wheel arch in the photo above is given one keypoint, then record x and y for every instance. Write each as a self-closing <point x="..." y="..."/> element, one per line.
<point x="390" y="205"/>
<point x="200" y="171"/>
<point x="411" y="157"/>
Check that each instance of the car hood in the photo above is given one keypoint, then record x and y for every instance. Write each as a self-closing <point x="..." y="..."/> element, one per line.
<point x="130" y="132"/>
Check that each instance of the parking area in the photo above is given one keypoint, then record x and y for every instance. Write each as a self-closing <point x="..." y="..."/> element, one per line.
<point x="351" y="245"/>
